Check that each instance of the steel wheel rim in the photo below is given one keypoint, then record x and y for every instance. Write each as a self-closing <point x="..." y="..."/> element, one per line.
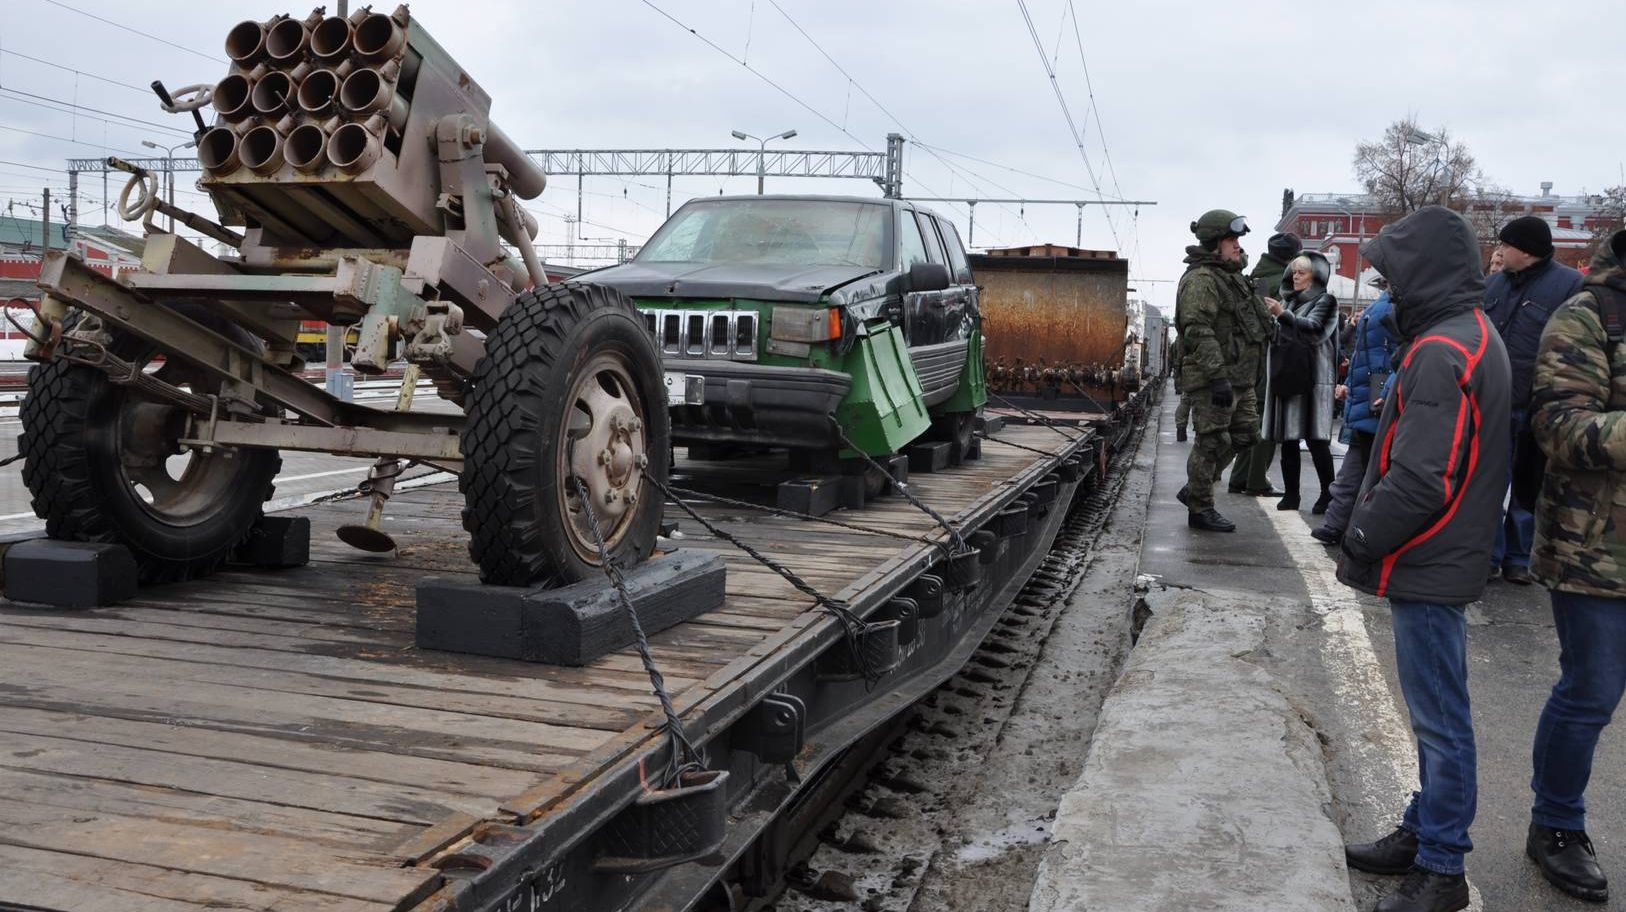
<point x="601" y="442"/>
<point x="176" y="488"/>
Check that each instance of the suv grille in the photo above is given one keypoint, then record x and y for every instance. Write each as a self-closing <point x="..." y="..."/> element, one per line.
<point x="724" y="334"/>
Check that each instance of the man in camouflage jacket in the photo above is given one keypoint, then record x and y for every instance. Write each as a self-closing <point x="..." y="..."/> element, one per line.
<point x="1578" y="417"/>
<point x="1222" y="326"/>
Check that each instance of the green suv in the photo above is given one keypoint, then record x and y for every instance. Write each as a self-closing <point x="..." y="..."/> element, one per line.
<point x="776" y="314"/>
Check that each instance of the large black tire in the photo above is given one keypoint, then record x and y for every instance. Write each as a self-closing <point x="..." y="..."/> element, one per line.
<point x="84" y="438"/>
<point x="533" y="393"/>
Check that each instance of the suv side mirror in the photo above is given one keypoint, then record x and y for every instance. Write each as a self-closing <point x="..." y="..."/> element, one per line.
<point x="928" y="277"/>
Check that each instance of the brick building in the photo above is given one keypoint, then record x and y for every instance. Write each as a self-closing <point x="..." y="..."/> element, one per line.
<point x="1337" y="224"/>
<point x="107" y="250"/>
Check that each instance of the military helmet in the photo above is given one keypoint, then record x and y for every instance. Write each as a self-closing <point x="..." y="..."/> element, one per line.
<point x="1217" y="224"/>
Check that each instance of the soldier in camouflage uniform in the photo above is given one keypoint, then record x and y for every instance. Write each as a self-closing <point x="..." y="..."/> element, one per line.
<point x="1223" y="326"/>
<point x="1578" y="417"/>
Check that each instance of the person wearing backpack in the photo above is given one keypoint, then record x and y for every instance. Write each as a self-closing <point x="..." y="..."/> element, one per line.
<point x="1578" y="419"/>
<point x="1518" y="300"/>
<point x="1302" y="375"/>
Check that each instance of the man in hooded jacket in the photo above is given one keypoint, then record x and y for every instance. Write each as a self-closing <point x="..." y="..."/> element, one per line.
<point x="1422" y="529"/>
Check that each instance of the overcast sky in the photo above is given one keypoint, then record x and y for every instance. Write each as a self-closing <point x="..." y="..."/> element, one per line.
<point x="1200" y="105"/>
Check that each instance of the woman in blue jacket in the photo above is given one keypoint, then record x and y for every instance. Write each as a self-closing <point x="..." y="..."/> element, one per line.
<point x="1370" y="366"/>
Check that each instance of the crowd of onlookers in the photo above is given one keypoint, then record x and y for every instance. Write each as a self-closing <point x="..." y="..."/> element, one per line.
<point x="1483" y="411"/>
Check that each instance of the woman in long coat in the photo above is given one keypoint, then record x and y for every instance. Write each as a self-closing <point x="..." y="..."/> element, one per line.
<point x="1309" y="312"/>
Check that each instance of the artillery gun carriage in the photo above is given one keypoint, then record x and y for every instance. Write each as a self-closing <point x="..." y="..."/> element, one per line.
<point x="357" y="180"/>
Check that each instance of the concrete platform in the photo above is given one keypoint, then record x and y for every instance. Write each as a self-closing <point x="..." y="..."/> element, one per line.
<point x="1257" y="726"/>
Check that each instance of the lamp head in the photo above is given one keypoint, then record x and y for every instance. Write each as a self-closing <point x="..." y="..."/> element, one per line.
<point x="739" y="135"/>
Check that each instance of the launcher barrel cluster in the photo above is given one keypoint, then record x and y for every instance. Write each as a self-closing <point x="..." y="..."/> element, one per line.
<point x="326" y="134"/>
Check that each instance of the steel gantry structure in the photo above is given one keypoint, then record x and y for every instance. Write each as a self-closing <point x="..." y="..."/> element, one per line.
<point x="885" y="169"/>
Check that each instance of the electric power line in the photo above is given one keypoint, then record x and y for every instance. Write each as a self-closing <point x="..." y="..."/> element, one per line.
<point x="73" y="108"/>
<point x="135" y="31"/>
<point x="135" y="88"/>
<point x="1067" y="112"/>
<point x="77" y="142"/>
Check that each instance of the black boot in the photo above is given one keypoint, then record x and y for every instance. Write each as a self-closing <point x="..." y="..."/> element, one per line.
<point x="1210" y="520"/>
<point x="1393" y="854"/>
<point x="1180" y="434"/>
<point x="1322" y="502"/>
<point x="1329" y="537"/>
<point x="1568" y="862"/>
<point x="1426" y="891"/>
<point x="1290" y="502"/>
<point x="1184" y="494"/>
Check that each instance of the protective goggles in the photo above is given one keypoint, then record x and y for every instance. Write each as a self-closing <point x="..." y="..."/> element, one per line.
<point x="1238" y="226"/>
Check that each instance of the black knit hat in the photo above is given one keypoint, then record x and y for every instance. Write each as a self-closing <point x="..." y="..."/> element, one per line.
<point x="1284" y="246"/>
<point x="1530" y="234"/>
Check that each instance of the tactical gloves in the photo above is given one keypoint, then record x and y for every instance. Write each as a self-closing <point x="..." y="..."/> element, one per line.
<point x="1219" y="393"/>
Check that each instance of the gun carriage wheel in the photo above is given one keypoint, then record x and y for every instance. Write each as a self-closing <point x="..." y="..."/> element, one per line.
<point x="570" y="387"/>
<point x="103" y="461"/>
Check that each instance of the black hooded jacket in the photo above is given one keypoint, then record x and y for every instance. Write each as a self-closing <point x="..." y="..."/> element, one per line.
<point x="1425" y="521"/>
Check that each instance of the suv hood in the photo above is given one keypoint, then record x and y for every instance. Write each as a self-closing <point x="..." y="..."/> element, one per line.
<point x="765" y="282"/>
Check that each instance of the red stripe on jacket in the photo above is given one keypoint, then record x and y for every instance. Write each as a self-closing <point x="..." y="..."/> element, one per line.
<point x="1471" y="403"/>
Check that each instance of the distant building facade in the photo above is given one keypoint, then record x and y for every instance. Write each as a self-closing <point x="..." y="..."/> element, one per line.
<point x="1337" y="224"/>
<point x="107" y="250"/>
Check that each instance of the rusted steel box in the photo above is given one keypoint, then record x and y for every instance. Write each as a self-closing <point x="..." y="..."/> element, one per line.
<point x="1052" y="307"/>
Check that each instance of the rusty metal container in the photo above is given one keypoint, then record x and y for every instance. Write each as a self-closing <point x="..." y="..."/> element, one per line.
<point x="1053" y="316"/>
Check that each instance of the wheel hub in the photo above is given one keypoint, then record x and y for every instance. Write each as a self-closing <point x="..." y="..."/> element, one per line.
<point x="606" y="446"/>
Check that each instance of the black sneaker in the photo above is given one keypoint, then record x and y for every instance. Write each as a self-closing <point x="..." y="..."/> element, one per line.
<point x="1426" y="891"/>
<point x="1329" y="537"/>
<point x="1393" y="854"/>
<point x="1210" y="520"/>
<point x="1567" y="860"/>
<point x="1266" y="491"/>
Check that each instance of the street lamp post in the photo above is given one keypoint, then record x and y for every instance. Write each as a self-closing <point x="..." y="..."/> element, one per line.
<point x="169" y="171"/>
<point x="1360" y="240"/>
<point x="762" y="152"/>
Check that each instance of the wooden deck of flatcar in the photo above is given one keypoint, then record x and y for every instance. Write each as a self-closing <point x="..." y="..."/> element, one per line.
<point x="274" y="740"/>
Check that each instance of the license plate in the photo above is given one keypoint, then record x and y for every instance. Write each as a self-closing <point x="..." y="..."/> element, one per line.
<point x="685" y="389"/>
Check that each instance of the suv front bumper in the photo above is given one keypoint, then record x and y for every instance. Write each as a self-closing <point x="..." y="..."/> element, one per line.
<point x="756" y="404"/>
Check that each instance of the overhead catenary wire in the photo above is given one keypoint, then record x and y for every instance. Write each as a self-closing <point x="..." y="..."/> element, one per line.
<point x="1101" y="133"/>
<point x="1067" y="113"/>
<point x="68" y="107"/>
<point x="77" y="72"/>
<point x="136" y="31"/>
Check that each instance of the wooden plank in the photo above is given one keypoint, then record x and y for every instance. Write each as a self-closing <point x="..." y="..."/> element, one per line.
<point x="209" y="850"/>
<point x="78" y="883"/>
<point x="76" y="794"/>
<point x="596" y="688"/>
<point x="228" y="779"/>
<point x="46" y="667"/>
<point x="469" y="702"/>
<point x="268" y="750"/>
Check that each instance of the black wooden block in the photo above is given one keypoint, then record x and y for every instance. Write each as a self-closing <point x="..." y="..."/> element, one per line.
<point x="69" y="574"/>
<point x="990" y="424"/>
<point x="813" y="496"/>
<point x="569" y="625"/>
<point x="929" y="456"/>
<point x="276" y="542"/>
<point x="854" y="492"/>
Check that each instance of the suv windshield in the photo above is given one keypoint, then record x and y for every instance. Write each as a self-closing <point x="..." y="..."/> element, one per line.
<point x="789" y="232"/>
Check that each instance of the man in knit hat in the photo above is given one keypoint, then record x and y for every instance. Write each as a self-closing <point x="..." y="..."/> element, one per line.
<point x="1518" y="301"/>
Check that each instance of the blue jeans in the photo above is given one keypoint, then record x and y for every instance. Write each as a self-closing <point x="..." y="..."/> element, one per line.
<point x="1431" y="652"/>
<point x="1518" y="527"/>
<point x="1592" y="663"/>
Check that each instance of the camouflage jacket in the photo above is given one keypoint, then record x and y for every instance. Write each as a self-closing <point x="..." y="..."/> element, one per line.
<point x="1222" y="323"/>
<point x="1578" y="416"/>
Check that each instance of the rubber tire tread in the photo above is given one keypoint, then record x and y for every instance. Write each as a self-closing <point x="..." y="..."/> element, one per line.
<point x="67" y="490"/>
<point x="509" y="507"/>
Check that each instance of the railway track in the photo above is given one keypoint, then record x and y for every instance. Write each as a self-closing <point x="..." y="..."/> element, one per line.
<point x="887" y="828"/>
